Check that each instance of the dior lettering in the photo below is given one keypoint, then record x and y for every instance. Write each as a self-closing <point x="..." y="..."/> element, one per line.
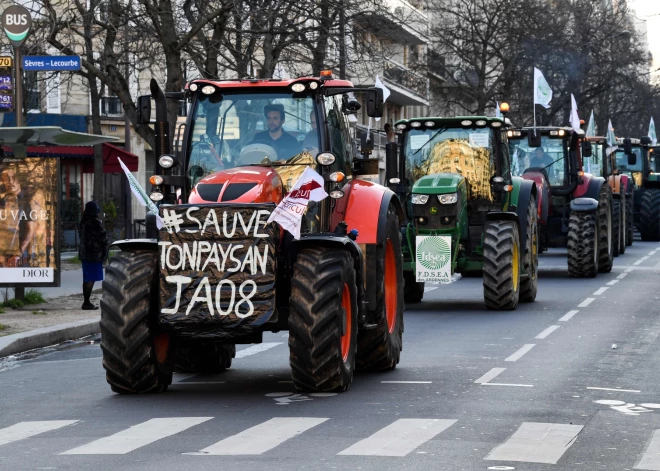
<point x="35" y="273"/>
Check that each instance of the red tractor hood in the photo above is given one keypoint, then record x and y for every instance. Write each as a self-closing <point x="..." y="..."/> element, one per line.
<point x="239" y="185"/>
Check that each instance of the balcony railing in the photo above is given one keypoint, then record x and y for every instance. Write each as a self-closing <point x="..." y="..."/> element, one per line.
<point x="406" y="78"/>
<point x="409" y="15"/>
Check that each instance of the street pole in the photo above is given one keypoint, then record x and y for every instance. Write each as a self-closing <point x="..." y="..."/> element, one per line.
<point x="342" y="43"/>
<point x="18" y="100"/>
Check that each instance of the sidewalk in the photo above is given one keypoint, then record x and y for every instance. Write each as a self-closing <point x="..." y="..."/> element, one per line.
<point x="59" y="319"/>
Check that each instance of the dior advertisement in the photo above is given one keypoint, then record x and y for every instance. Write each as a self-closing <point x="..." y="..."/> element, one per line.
<point x="28" y="221"/>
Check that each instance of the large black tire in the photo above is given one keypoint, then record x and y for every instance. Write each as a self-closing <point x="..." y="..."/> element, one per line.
<point x="195" y="356"/>
<point x="605" y="230"/>
<point x="624" y="224"/>
<point x="323" y="290"/>
<point x="630" y="219"/>
<point x="136" y="358"/>
<point x="379" y="348"/>
<point x="413" y="292"/>
<point x="502" y="257"/>
<point x="649" y="221"/>
<point x="616" y="228"/>
<point x="583" y="244"/>
<point x="529" y="284"/>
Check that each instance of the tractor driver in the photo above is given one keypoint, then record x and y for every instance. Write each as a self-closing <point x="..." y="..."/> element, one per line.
<point x="284" y="143"/>
<point x="540" y="159"/>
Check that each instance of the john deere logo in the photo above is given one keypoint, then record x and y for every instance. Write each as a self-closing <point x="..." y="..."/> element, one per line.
<point x="433" y="210"/>
<point x="16" y="21"/>
<point x="433" y="253"/>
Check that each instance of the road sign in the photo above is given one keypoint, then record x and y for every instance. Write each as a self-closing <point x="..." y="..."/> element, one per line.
<point x="6" y="85"/>
<point x="17" y="22"/>
<point x="51" y="63"/>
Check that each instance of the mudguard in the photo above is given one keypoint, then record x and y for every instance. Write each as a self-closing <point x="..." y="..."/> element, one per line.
<point x="129" y="245"/>
<point x="364" y="207"/>
<point x="504" y="216"/>
<point x="526" y="190"/>
<point x="584" y="204"/>
<point x="542" y="194"/>
<point x="590" y="187"/>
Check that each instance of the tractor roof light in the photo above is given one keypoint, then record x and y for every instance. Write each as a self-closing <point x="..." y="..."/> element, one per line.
<point x="401" y="126"/>
<point x="561" y="133"/>
<point x="504" y="107"/>
<point x="208" y="89"/>
<point x="193" y="87"/>
<point x="509" y="134"/>
<point x="326" y="74"/>
<point x="313" y="85"/>
<point x="325" y="158"/>
<point x="415" y="124"/>
<point x="429" y="124"/>
<point x="496" y="124"/>
<point x="480" y="122"/>
<point x="466" y="122"/>
<point x="554" y="133"/>
<point x="298" y="87"/>
<point x="156" y="180"/>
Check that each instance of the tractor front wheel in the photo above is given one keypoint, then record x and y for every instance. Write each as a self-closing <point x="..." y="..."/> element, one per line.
<point x="624" y="223"/>
<point x="380" y="348"/>
<point x="323" y="320"/>
<point x="136" y="357"/>
<point x="616" y="228"/>
<point x="605" y="230"/>
<point x="630" y="219"/>
<point x="501" y="269"/>
<point x="529" y="284"/>
<point x="583" y="244"/>
<point x="649" y="222"/>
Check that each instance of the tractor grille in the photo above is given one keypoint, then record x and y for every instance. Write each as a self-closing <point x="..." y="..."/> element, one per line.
<point x="209" y="191"/>
<point x="434" y="215"/>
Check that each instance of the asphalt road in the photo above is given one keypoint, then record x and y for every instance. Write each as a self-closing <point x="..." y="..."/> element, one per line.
<point x="568" y="382"/>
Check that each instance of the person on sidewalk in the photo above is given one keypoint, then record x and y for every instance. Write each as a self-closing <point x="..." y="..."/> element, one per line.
<point x="93" y="250"/>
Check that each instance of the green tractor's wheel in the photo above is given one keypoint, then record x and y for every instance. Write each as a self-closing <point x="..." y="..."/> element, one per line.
<point x="196" y="356"/>
<point x="413" y="291"/>
<point x="624" y="223"/>
<point x="616" y="227"/>
<point x="472" y="274"/>
<point x="583" y="244"/>
<point x="380" y="348"/>
<point x="630" y="220"/>
<point x="605" y="230"/>
<point x="502" y="259"/>
<point x="529" y="283"/>
<point x="323" y="320"/>
<point x="136" y="358"/>
<point x="649" y="222"/>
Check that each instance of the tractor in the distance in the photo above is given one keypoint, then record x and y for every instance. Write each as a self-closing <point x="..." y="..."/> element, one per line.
<point x="575" y="208"/>
<point x="214" y="272"/>
<point x="467" y="214"/>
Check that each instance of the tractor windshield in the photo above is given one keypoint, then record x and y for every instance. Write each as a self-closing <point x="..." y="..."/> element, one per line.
<point x="634" y="171"/>
<point x="594" y="164"/>
<point x="468" y="152"/>
<point x="550" y="158"/>
<point x="235" y="129"/>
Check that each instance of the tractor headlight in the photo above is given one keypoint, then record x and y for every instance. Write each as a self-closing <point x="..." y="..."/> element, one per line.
<point x="420" y="199"/>
<point x="166" y="161"/>
<point x="326" y="158"/>
<point x="208" y="89"/>
<point x="401" y="126"/>
<point x="156" y="196"/>
<point x="450" y="198"/>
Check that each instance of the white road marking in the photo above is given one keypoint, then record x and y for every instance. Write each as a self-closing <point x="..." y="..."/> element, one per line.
<point x="638" y="262"/>
<point x="509" y="384"/>
<point x="651" y="457"/>
<point x="613" y="282"/>
<point x="430" y="288"/>
<point x="568" y="316"/>
<point x="23" y="430"/>
<point x="614" y="389"/>
<point x="399" y="438"/>
<point x="535" y="442"/>
<point x="586" y="302"/>
<point x="622" y="276"/>
<point x="521" y="351"/>
<point x="137" y="436"/>
<point x="600" y="291"/>
<point x="258" y="348"/>
<point x="406" y="382"/>
<point x="547" y="332"/>
<point x="652" y="252"/>
<point x="263" y="437"/>
<point x="490" y="375"/>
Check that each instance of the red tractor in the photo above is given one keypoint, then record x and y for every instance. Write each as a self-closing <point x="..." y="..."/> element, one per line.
<point x="574" y="207"/>
<point x="217" y="273"/>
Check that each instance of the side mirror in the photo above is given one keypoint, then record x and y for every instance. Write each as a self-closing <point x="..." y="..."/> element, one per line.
<point x="375" y="102"/>
<point x="632" y="159"/>
<point x="645" y="141"/>
<point x="627" y="145"/>
<point x="392" y="164"/>
<point x="533" y="140"/>
<point x="587" y="150"/>
<point x="366" y="143"/>
<point x="144" y="109"/>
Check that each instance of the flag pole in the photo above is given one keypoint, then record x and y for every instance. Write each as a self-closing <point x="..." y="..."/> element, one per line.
<point x="534" y="105"/>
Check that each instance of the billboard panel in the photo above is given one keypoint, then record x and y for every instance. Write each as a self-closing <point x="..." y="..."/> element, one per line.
<point x="29" y="202"/>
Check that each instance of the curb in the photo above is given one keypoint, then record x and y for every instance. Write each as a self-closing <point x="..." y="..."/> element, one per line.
<point x="47" y="336"/>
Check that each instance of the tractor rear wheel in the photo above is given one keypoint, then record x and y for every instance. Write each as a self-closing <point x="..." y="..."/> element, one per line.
<point x="323" y="320"/>
<point x="605" y="230"/>
<point x="624" y="224"/>
<point x="502" y="259"/>
<point x="616" y="227"/>
<point x="630" y="219"/>
<point x="136" y="357"/>
<point x="649" y="222"/>
<point x="195" y="357"/>
<point x="413" y="292"/>
<point x="583" y="244"/>
<point x="529" y="284"/>
<point x="380" y="348"/>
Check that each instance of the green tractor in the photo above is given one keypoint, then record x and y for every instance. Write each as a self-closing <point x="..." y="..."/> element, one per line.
<point x="466" y="213"/>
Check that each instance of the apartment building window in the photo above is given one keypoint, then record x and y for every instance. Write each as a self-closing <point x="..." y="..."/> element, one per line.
<point x="111" y="106"/>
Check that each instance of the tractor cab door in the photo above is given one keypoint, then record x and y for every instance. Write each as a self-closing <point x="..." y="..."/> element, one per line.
<point x="337" y="135"/>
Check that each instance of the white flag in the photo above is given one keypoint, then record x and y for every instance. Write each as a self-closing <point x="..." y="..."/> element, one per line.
<point x="542" y="91"/>
<point x="498" y="113"/>
<point x="289" y="212"/>
<point x="141" y="195"/>
<point x="652" y="135"/>
<point x="591" y="127"/>
<point x="386" y="91"/>
<point x="575" y="119"/>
